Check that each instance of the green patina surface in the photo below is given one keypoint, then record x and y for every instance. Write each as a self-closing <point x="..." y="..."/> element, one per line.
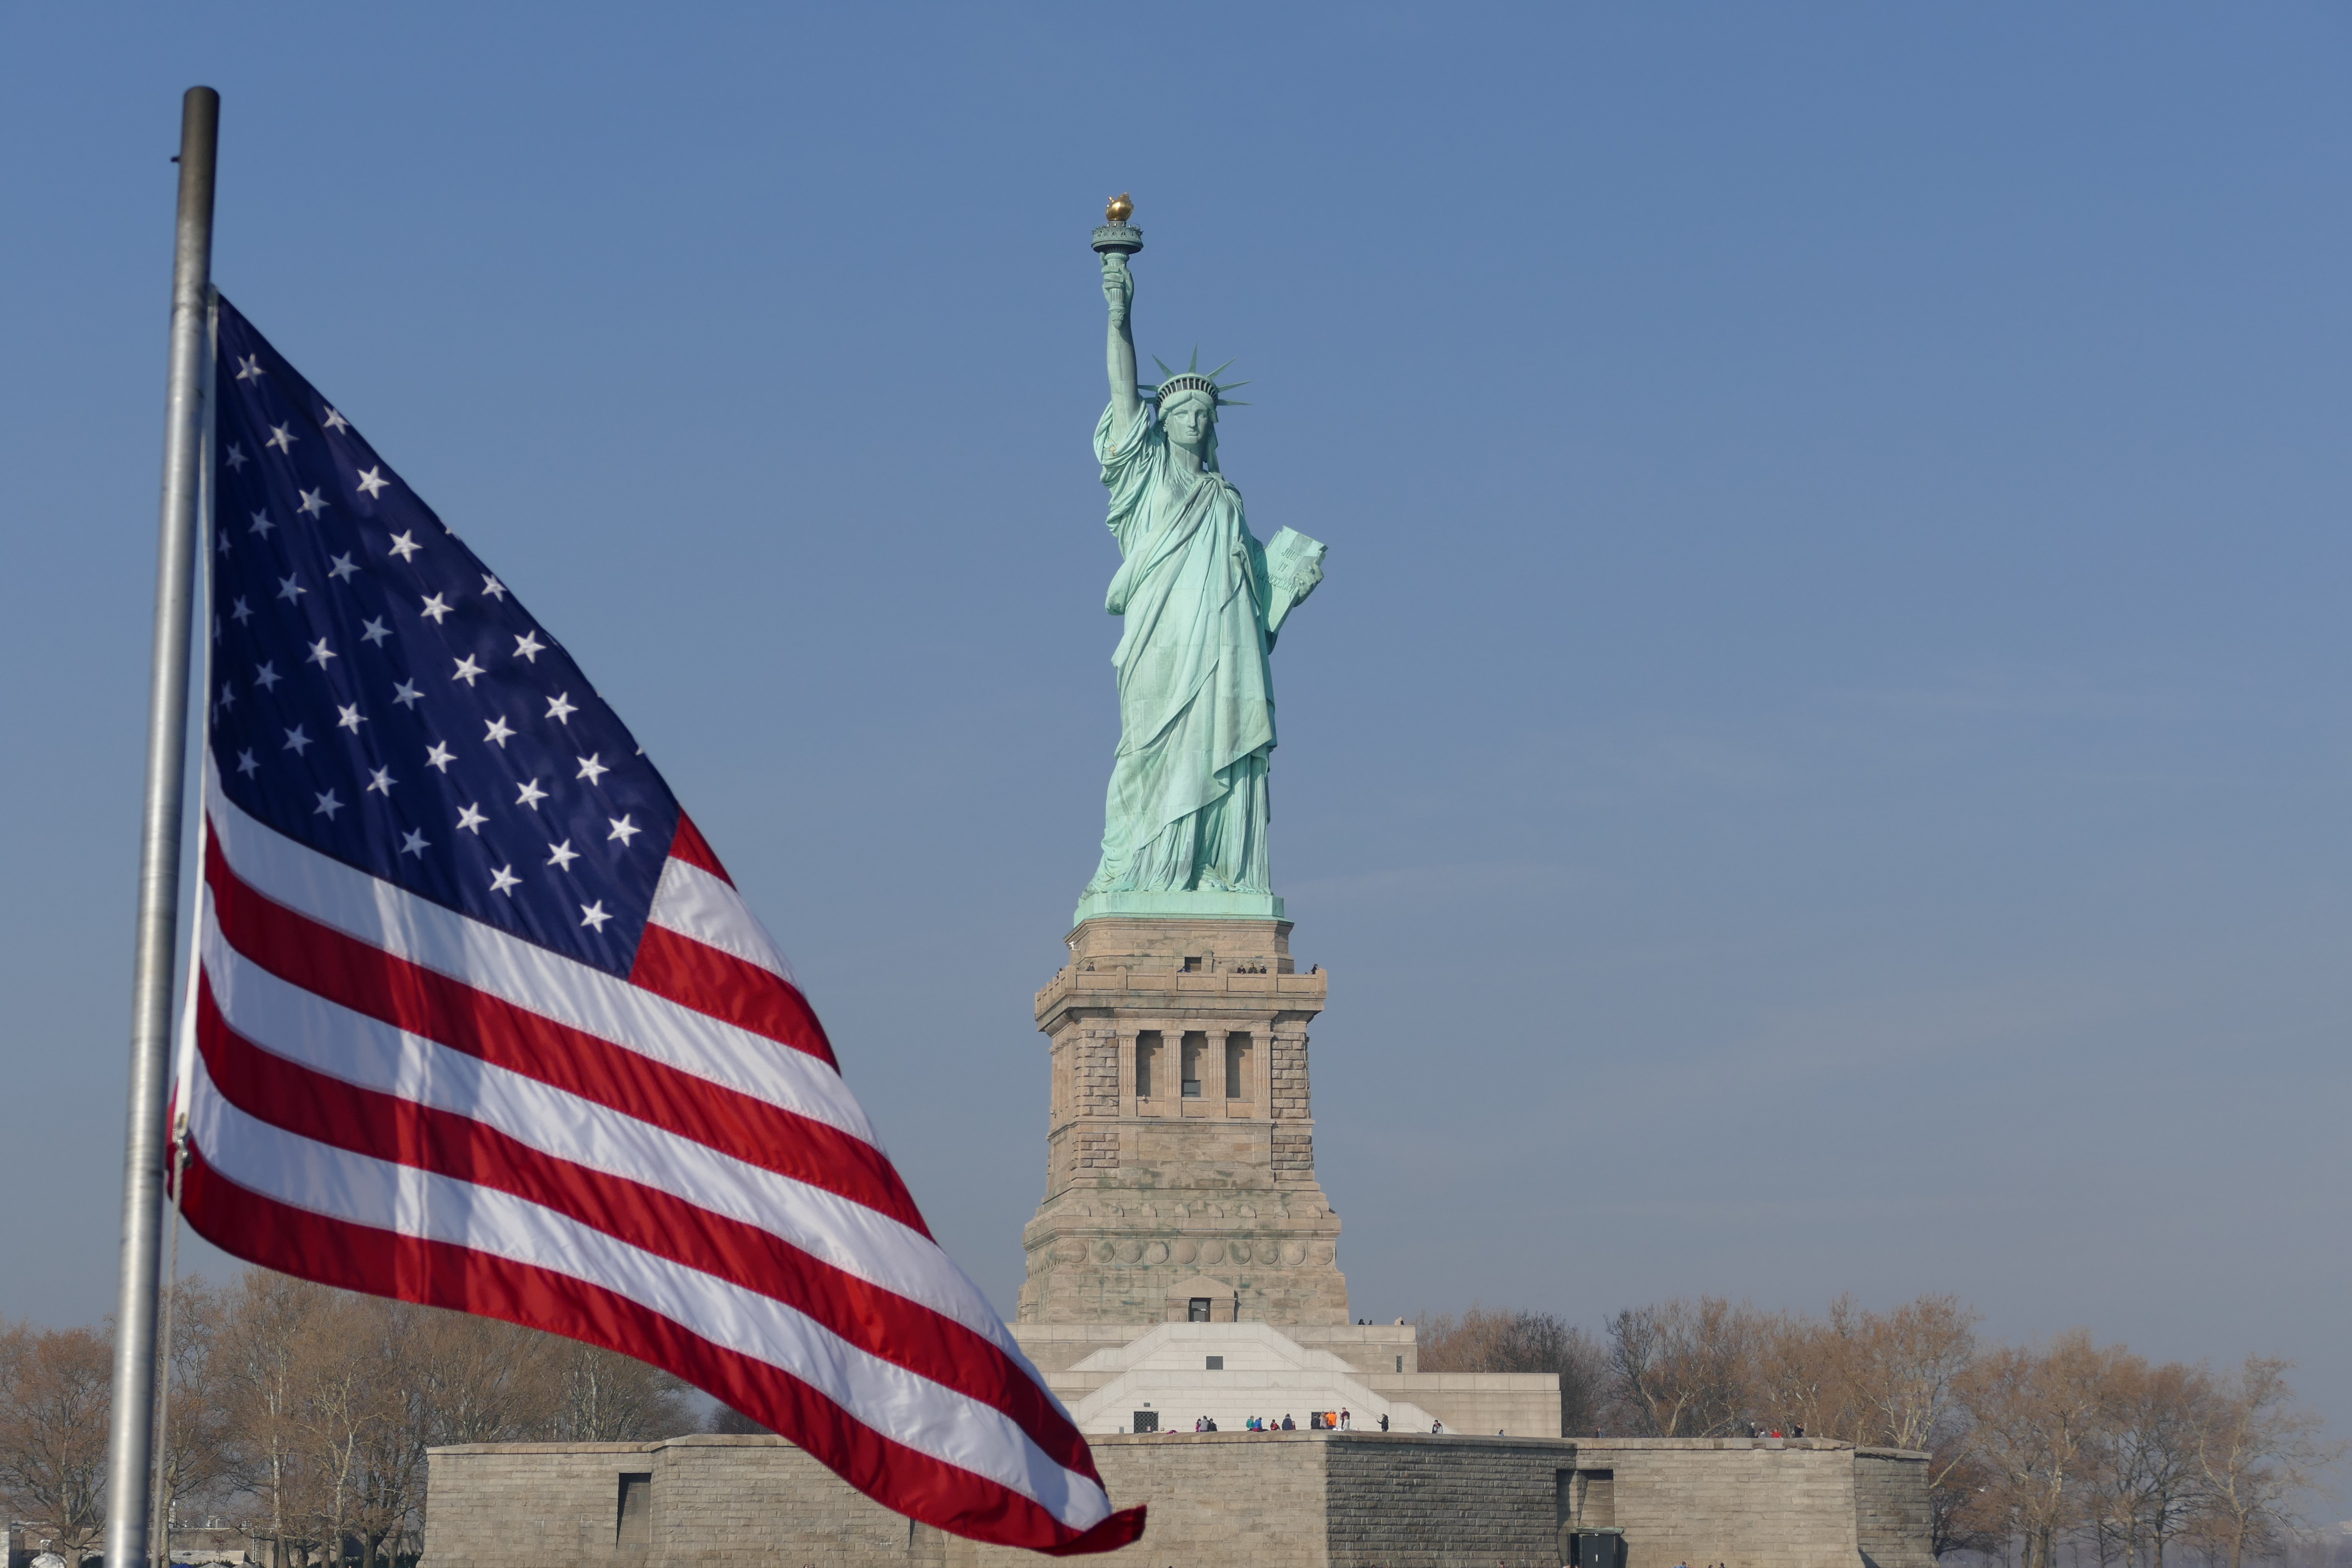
<point x="1203" y="601"/>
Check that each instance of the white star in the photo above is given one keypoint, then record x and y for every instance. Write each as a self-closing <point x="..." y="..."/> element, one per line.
<point x="334" y="421"/>
<point x="440" y="757"/>
<point x="380" y="782"/>
<point x="349" y="718"/>
<point x="623" y="829"/>
<point x="561" y="855"/>
<point x="531" y="794"/>
<point x="594" y="915"/>
<point x="289" y="586"/>
<point x="295" y="741"/>
<point x="467" y="671"/>
<point x="413" y="844"/>
<point x="221" y="543"/>
<point x="320" y="653"/>
<point x="500" y="731"/>
<point x="372" y="481"/>
<point x="502" y="879"/>
<point x="591" y="769"/>
<point x="493" y="587"/>
<point x="559" y="708"/>
<point x="470" y="819"/>
<point x="240" y="612"/>
<point x="245" y="765"/>
<point x="261" y="523"/>
<point x="433" y="609"/>
<point x="406" y="695"/>
<point x="236" y="458"/>
<point x="282" y="437"/>
<point x="327" y="806"/>
<point x="343" y="568"/>
<point x="227" y="697"/>
<point x="314" y="502"/>
<point x="249" y="368"/>
<point x="266" y="676"/>
<point x="374" y="632"/>
<point x="404" y="544"/>
<point x="528" y="648"/>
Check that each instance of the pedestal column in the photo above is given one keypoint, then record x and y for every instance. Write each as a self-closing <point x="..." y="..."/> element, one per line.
<point x="1151" y="1203"/>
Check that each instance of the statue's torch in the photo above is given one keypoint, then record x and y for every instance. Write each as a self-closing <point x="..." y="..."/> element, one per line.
<point x="1118" y="234"/>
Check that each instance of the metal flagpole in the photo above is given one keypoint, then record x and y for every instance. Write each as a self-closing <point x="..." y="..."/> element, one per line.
<point x="131" y="1449"/>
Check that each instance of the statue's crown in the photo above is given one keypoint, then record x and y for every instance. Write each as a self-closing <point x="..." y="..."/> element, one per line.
<point x="1191" y="379"/>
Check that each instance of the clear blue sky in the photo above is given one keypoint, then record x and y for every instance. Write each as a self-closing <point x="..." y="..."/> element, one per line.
<point x="1822" y="763"/>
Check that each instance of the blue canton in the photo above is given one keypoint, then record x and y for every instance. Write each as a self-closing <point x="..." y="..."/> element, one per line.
<point x="380" y="696"/>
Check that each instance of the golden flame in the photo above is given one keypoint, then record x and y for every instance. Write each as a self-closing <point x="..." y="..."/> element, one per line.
<point x="1121" y="209"/>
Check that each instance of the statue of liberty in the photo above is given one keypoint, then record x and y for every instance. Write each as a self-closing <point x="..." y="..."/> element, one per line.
<point x="1203" y="601"/>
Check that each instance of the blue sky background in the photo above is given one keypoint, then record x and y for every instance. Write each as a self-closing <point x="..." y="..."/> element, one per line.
<point x="1822" y="762"/>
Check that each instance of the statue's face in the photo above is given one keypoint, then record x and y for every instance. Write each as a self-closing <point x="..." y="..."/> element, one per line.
<point x="1188" y="419"/>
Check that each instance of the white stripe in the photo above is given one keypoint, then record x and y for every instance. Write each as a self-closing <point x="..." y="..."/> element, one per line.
<point x="901" y="1405"/>
<point x="525" y="974"/>
<point x="351" y="1047"/>
<point x="692" y="903"/>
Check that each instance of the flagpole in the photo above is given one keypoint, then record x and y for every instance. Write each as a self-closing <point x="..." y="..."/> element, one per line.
<point x="130" y="1447"/>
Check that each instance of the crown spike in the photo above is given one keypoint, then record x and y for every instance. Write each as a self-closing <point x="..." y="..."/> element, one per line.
<point x="1221" y="370"/>
<point x="1194" y="368"/>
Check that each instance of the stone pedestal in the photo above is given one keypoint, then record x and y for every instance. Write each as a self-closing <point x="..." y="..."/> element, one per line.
<point x="1180" y="1152"/>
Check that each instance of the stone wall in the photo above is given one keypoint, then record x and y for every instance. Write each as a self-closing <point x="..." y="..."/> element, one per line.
<point x="1253" y="1499"/>
<point x="1289" y="1499"/>
<point x="1890" y="1509"/>
<point x="1443" y="1502"/>
<point x="1767" y="1502"/>
<point x="1480" y="1404"/>
<point x="496" y="1504"/>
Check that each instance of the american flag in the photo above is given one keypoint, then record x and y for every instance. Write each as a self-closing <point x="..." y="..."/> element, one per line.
<point x="479" y="1019"/>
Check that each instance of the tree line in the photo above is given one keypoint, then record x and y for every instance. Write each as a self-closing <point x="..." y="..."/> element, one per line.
<point x="2069" y="1445"/>
<point x="302" y="1413"/>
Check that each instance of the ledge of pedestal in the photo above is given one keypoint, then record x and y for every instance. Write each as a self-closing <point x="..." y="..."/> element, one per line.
<point x="1180" y="906"/>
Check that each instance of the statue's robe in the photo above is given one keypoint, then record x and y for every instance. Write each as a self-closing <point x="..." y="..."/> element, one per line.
<point x="1187" y="807"/>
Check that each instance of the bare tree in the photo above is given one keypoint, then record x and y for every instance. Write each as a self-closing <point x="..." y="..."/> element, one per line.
<point x="1683" y="1369"/>
<point x="198" y="1453"/>
<point x="2037" y="1416"/>
<point x="603" y="1397"/>
<point x="1963" y="1514"/>
<point x="2159" y="1416"/>
<point x="55" y="1385"/>
<point x="1909" y="1363"/>
<point x="2261" y="1453"/>
<point x="1803" y="1373"/>
<point x="264" y="1318"/>
<point x="1485" y="1340"/>
<point x="481" y="1379"/>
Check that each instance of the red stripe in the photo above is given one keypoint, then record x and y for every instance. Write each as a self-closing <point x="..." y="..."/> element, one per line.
<point x="696" y="974"/>
<point x="690" y="847"/>
<point x="262" y="1230"/>
<point x="310" y="1104"/>
<point x="368" y="980"/>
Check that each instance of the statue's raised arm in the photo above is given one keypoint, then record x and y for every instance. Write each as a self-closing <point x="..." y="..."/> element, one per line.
<point x="1118" y="289"/>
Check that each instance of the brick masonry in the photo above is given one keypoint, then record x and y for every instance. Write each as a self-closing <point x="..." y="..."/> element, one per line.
<point x="1290" y="1499"/>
